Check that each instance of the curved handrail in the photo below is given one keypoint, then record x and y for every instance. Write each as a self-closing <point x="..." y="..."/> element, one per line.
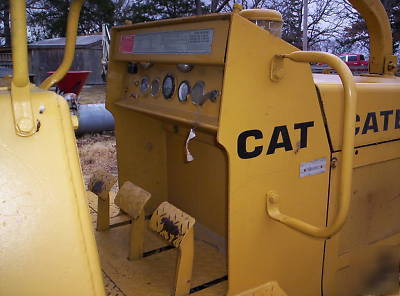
<point x="72" y="27"/>
<point x="350" y="101"/>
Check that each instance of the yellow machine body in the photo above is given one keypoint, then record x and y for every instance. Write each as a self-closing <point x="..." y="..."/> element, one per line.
<point x="256" y="137"/>
<point x="264" y="135"/>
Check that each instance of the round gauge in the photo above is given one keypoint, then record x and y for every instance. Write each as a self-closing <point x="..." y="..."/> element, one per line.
<point x="144" y="85"/>
<point x="183" y="91"/>
<point x="155" y="87"/>
<point x="168" y="86"/>
<point x="197" y="92"/>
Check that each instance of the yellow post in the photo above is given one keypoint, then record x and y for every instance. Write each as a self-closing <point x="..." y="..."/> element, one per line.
<point x="22" y="107"/>
<point x="184" y="265"/>
<point x="72" y="27"/>
<point x="19" y="47"/>
<point x="131" y="199"/>
<point x="137" y="238"/>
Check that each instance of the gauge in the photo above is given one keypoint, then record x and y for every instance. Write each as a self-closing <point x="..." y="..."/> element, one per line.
<point x="197" y="92"/>
<point x="144" y="85"/>
<point x="155" y="87"/>
<point x="168" y="86"/>
<point x="183" y="91"/>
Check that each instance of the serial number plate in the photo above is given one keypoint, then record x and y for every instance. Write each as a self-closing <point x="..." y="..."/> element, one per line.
<point x="313" y="167"/>
<point x="169" y="42"/>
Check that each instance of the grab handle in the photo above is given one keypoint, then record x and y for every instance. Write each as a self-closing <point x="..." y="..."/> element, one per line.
<point x="350" y="102"/>
<point x="72" y="28"/>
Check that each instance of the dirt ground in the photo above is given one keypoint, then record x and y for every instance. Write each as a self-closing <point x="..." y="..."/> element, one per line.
<point x="96" y="151"/>
<point x="93" y="94"/>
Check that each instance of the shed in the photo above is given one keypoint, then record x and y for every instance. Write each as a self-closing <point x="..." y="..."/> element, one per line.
<point x="46" y="55"/>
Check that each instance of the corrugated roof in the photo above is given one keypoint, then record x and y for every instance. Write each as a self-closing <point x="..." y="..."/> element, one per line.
<point x="81" y="41"/>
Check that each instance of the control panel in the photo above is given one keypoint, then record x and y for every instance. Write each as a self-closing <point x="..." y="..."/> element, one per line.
<point x="174" y="71"/>
<point x="187" y="93"/>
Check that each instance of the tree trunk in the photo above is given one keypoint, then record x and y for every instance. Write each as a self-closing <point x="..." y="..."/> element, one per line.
<point x="199" y="10"/>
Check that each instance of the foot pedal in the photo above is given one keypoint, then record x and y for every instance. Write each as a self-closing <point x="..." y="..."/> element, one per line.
<point x="100" y="184"/>
<point x="176" y="227"/>
<point x="131" y="199"/>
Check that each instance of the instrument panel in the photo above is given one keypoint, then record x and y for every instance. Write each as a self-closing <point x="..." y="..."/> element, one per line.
<point x="187" y="93"/>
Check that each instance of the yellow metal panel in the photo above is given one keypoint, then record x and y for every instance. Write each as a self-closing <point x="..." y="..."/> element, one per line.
<point x="205" y="116"/>
<point x="200" y="185"/>
<point x="46" y="238"/>
<point x="363" y="258"/>
<point x="259" y="249"/>
<point x="377" y="109"/>
<point x="141" y="154"/>
<point x="220" y="25"/>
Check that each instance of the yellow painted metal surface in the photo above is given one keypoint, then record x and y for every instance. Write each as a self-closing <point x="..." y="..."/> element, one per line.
<point x="220" y="24"/>
<point x="350" y="103"/>
<point x="363" y="259"/>
<point x="46" y="237"/>
<point x="258" y="103"/>
<point x="377" y="114"/>
<point x="24" y="119"/>
<point x="100" y="183"/>
<point x="256" y="137"/>
<point x="214" y="156"/>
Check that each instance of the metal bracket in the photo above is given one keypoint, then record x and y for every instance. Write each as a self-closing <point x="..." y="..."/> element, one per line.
<point x="390" y="65"/>
<point x="277" y="68"/>
<point x="176" y="227"/>
<point x="25" y="124"/>
<point x="100" y="184"/>
<point x="131" y="199"/>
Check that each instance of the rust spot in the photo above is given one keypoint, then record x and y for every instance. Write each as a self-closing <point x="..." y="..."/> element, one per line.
<point x="97" y="187"/>
<point x="297" y="148"/>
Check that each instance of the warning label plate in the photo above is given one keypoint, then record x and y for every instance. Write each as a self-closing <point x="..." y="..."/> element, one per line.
<point x="313" y="167"/>
<point x="169" y="42"/>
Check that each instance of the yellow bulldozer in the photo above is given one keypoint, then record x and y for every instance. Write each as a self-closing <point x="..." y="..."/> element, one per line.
<point x="239" y="171"/>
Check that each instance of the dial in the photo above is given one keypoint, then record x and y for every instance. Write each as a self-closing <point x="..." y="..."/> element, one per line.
<point x="168" y="86"/>
<point x="183" y="91"/>
<point x="144" y="85"/>
<point x="197" y="92"/>
<point x="155" y="87"/>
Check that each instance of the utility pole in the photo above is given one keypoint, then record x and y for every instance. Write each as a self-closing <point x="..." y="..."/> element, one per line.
<point x="305" y="24"/>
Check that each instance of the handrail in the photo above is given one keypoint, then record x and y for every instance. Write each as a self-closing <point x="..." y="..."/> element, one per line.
<point x="72" y="27"/>
<point x="350" y="102"/>
<point x="24" y="119"/>
<point x="19" y="45"/>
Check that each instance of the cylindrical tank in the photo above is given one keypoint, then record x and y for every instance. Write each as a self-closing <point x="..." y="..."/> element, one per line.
<point x="94" y="118"/>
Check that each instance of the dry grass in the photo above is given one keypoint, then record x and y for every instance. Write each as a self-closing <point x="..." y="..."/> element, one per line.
<point x="93" y="94"/>
<point x="97" y="151"/>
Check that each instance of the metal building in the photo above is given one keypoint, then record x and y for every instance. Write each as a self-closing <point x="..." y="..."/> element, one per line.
<point x="46" y="55"/>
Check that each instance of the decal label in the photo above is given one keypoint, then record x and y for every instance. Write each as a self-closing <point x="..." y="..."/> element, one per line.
<point x="279" y="139"/>
<point x="173" y="42"/>
<point x="126" y="44"/>
<point x="374" y="122"/>
<point x="312" y="167"/>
